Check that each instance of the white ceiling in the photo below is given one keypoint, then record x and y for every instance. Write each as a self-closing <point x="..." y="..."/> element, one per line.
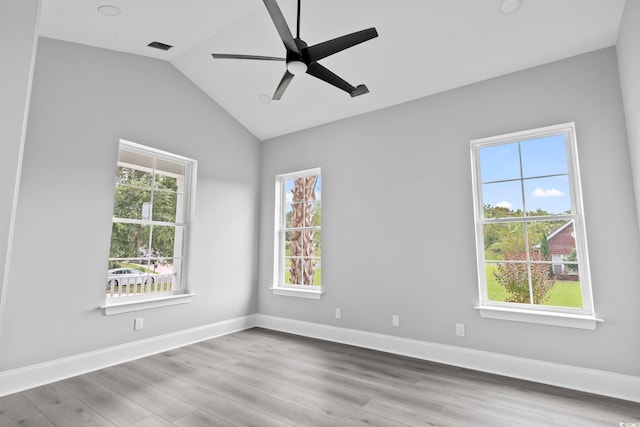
<point x="424" y="47"/>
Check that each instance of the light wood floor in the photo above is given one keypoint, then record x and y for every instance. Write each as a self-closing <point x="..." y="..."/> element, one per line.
<point x="264" y="378"/>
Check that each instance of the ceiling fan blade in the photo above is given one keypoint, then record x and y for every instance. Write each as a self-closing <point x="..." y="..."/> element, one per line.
<point x="232" y="56"/>
<point x="281" y="25"/>
<point x="324" y="49"/>
<point x="282" y="86"/>
<point x="322" y="73"/>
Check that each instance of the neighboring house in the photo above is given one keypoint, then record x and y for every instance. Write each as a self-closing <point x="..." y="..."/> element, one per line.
<point x="561" y="243"/>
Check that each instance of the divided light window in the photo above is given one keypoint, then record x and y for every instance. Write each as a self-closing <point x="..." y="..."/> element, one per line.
<point x="150" y="220"/>
<point x="530" y="234"/>
<point x="298" y="229"/>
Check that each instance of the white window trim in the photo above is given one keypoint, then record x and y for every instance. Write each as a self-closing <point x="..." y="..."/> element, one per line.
<point x="279" y="288"/>
<point x="548" y="315"/>
<point x="126" y="304"/>
<point x="142" y="302"/>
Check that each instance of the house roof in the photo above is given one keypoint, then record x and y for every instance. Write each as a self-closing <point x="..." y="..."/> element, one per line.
<point x="559" y="230"/>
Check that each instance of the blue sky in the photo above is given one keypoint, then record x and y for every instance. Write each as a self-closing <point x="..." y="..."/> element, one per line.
<point x="503" y="182"/>
<point x="290" y="183"/>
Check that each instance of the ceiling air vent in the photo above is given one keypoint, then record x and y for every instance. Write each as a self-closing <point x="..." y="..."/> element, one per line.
<point x="160" y="46"/>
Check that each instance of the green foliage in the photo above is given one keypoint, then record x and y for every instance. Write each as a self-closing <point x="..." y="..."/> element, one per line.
<point x="514" y="277"/>
<point x="563" y="294"/>
<point x="572" y="257"/>
<point x="544" y="247"/>
<point x="509" y="237"/>
<point x="141" y="195"/>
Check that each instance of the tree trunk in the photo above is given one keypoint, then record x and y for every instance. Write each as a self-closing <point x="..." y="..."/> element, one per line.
<point x="303" y="267"/>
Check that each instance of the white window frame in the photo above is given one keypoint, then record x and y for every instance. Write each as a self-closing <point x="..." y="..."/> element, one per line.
<point x="584" y="317"/>
<point x="279" y="287"/>
<point x="179" y="293"/>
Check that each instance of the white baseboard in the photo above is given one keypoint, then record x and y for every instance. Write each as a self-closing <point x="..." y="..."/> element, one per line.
<point x="589" y="380"/>
<point x="583" y="379"/>
<point x="21" y="379"/>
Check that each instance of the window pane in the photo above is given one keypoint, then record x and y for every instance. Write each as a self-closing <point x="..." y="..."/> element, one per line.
<point x="312" y="214"/>
<point x="127" y="239"/>
<point x="163" y="241"/>
<point x="566" y="292"/>
<point x="499" y="162"/>
<point x="133" y="177"/>
<point x="317" y="280"/>
<point x="547" y="196"/>
<point x="288" y="216"/>
<point x="510" y="281"/>
<point x="295" y="271"/>
<point x="544" y="156"/>
<point x="495" y="291"/>
<point x="550" y="238"/>
<point x="132" y="203"/>
<point x="300" y="250"/>
<point x="504" y="241"/>
<point x="164" y="206"/>
<point x="293" y="243"/>
<point x="502" y="199"/>
<point x="309" y="271"/>
<point x="296" y="218"/>
<point x="312" y="187"/>
<point x="317" y="243"/>
<point x="163" y="182"/>
<point x="309" y="243"/>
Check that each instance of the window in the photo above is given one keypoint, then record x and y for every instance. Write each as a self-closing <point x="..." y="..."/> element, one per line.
<point x="150" y="223"/>
<point x="298" y="260"/>
<point x="530" y="236"/>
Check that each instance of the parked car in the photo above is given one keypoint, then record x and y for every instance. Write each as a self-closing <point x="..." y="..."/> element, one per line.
<point x="129" y="275"/>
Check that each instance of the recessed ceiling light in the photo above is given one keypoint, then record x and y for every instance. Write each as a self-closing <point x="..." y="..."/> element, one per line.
<point x="109" y="10"/>
<point x="510" y="6"/>
<point x="265" y="99"/>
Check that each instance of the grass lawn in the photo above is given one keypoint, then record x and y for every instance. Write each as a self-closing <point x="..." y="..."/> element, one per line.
<point x="563" y="294"/>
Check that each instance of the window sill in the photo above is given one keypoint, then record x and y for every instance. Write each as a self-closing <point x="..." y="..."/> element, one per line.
<point x="134" y="304"/>
<point x="295" y="292"/>
<point x="543" y="318"/>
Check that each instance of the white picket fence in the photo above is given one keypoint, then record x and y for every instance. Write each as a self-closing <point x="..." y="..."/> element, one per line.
<point x="148" y="284"/>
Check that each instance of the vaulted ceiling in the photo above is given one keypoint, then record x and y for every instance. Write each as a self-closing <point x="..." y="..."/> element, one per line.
<point x="424" y="47"/>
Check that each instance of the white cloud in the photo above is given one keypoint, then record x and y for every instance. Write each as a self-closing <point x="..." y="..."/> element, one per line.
<point x="504" y="205"/>
<point x="552" y="192"/>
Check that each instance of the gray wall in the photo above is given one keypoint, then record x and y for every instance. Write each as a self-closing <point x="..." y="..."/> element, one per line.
<point x="398" y="229"/>
<point x="18" y="24"/>
<point x="628" y="49"/>
<point x="84" y="100"/>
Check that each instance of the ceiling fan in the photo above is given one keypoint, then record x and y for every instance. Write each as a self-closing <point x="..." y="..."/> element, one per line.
<point x="302" y="58"/>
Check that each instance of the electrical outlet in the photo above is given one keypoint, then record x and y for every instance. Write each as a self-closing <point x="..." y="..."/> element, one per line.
<point x="138" y="323"/>
<point x="338" y="313"/>
<point x="395" y="320"/>
<point x="460" y="329"/>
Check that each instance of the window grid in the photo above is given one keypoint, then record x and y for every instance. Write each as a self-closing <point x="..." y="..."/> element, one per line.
<point x="529" y="221"/>
<point x="303" y="262"/>
<point x="149" y="240"/>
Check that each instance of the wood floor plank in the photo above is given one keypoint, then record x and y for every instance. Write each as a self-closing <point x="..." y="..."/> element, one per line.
<point x="200" y="419"/>
<point x="155" y="401"/>
<point x="63" y="409"/>
<point x="234" y="413"/>
<point x="152" y="421"/>
<point x="16" y="410"/>
<point x="112" y="406"/>
<point x="266" y="378"/>
<point x="408" y="416"/>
